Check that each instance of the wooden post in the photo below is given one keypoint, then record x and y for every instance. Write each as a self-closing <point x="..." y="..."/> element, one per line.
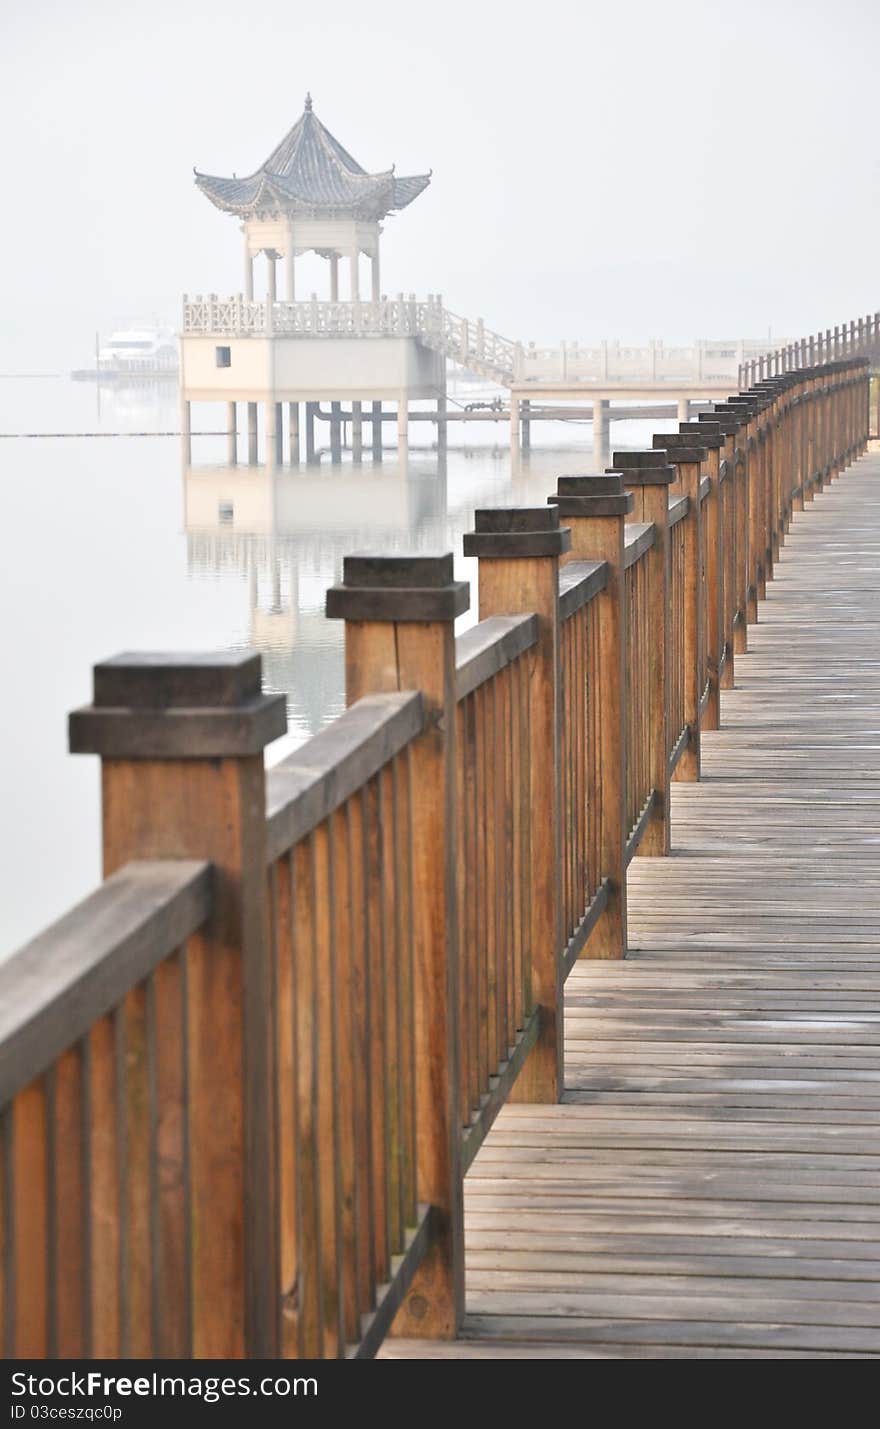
<point x="749" y="406"/>
<point x="708" y="434"/>
<point x="735" y="537"/>
<point x="186" y="430"/>
<point x="596" y="521"/>
<point x="181" y="741"/>
<point x="647" y="476"/>
<point x="688" y="460"/>
<point x="519" y="553"/>
<point x="399" y="614"/>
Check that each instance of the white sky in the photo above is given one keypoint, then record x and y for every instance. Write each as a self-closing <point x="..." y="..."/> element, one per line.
<point x="620" y="169"/>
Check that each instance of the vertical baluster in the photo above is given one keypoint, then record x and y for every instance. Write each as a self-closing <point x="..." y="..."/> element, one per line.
<point x="470" y="893"/>
<point x="374" y="879"/>
<point x="103" y="1236"/>
<point x="361" y="1011"/>
<point x="463" y="887"/>
<point x="347" y="1072"/>
<point x="483" y="901"/>
<point x="391" y="963"/>
<point x="309" y="1298"/>
<point x="68" y="1202"/>
<point x="407" y="1052"/>
<point x="170" y="1210"/>
<point x="327" y="1074"/>
<point x="488" y="815"/>
<point x="289" y="1211"/>
<point x="32" y="1269"/>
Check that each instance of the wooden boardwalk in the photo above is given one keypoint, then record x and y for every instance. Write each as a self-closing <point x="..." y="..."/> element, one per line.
<point x="710" y="1186"/>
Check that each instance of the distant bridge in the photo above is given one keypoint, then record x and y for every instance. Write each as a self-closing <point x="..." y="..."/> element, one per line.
<point x="706" y="365"/>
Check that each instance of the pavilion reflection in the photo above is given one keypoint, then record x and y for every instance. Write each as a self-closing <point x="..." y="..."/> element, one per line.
<point x="283" y="532"/>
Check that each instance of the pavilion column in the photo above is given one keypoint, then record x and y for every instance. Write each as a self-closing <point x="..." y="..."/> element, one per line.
<point x="290" y="272"/>
<point x="374" y="266"/>
<point x="231" y="434"/>
<point x="186" y="430"/>
<point x="272" y="288"/>
<point x="273" y="433"/>
<point x="334" y="278"/>
<point x="442" y="423"/>
<point x="248" y="272"/>
<point x="354" y="266"/>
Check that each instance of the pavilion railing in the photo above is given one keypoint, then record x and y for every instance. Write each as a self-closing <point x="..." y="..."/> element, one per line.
<point x="241" y="1083"/>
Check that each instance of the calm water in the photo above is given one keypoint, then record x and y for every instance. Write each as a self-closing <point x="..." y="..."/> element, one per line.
<point x="112" y="544"/>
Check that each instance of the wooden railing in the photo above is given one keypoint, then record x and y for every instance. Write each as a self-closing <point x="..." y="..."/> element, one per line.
<point x="242" y="1082"/>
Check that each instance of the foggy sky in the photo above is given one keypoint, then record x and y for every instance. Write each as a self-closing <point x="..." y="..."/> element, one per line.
<point x="619" y="169"/>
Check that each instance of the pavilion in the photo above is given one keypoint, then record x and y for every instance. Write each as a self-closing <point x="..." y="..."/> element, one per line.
<point x="311" y="195"/>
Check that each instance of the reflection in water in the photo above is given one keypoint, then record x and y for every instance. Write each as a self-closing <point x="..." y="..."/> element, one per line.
<point x="283" y="532"/>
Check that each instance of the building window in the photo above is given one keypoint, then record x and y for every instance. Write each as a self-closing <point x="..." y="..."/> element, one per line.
<point x="223" y="356"/>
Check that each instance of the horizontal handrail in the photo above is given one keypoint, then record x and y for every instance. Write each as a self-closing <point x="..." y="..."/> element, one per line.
<point x="579" y="582"/>
<point x="331" y="766"/>
<point x="638" y="538"/>
<point x="59" y="984"/>
<point x="678" y="509"/>
<point x="486" y="648"/>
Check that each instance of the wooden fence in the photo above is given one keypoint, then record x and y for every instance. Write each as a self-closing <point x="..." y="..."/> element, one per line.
<point x="241" y="1083"/>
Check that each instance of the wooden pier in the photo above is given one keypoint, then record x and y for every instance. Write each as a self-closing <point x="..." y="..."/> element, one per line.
<point x="303" y="1077"/>
<point x="709" y="1185"/>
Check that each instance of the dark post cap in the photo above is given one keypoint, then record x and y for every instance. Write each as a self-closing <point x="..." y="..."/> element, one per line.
<point x="516" y="532"/>
<point x="403" y="587"/>
<point x="594" y="484"/>
<point x="706" y="434"/>
<point x="644" y="468"/>
<point x="728" y="422"/>
<point x="603" y="495"/>
<point x="682" y="448"/>
<point x="175" y="706"/>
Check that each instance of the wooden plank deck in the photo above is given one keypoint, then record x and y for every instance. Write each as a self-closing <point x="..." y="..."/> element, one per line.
<point x="710" y="1186"/>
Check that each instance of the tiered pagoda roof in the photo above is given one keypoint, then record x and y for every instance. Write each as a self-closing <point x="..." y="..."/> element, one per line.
<point x="310" y="173"/>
